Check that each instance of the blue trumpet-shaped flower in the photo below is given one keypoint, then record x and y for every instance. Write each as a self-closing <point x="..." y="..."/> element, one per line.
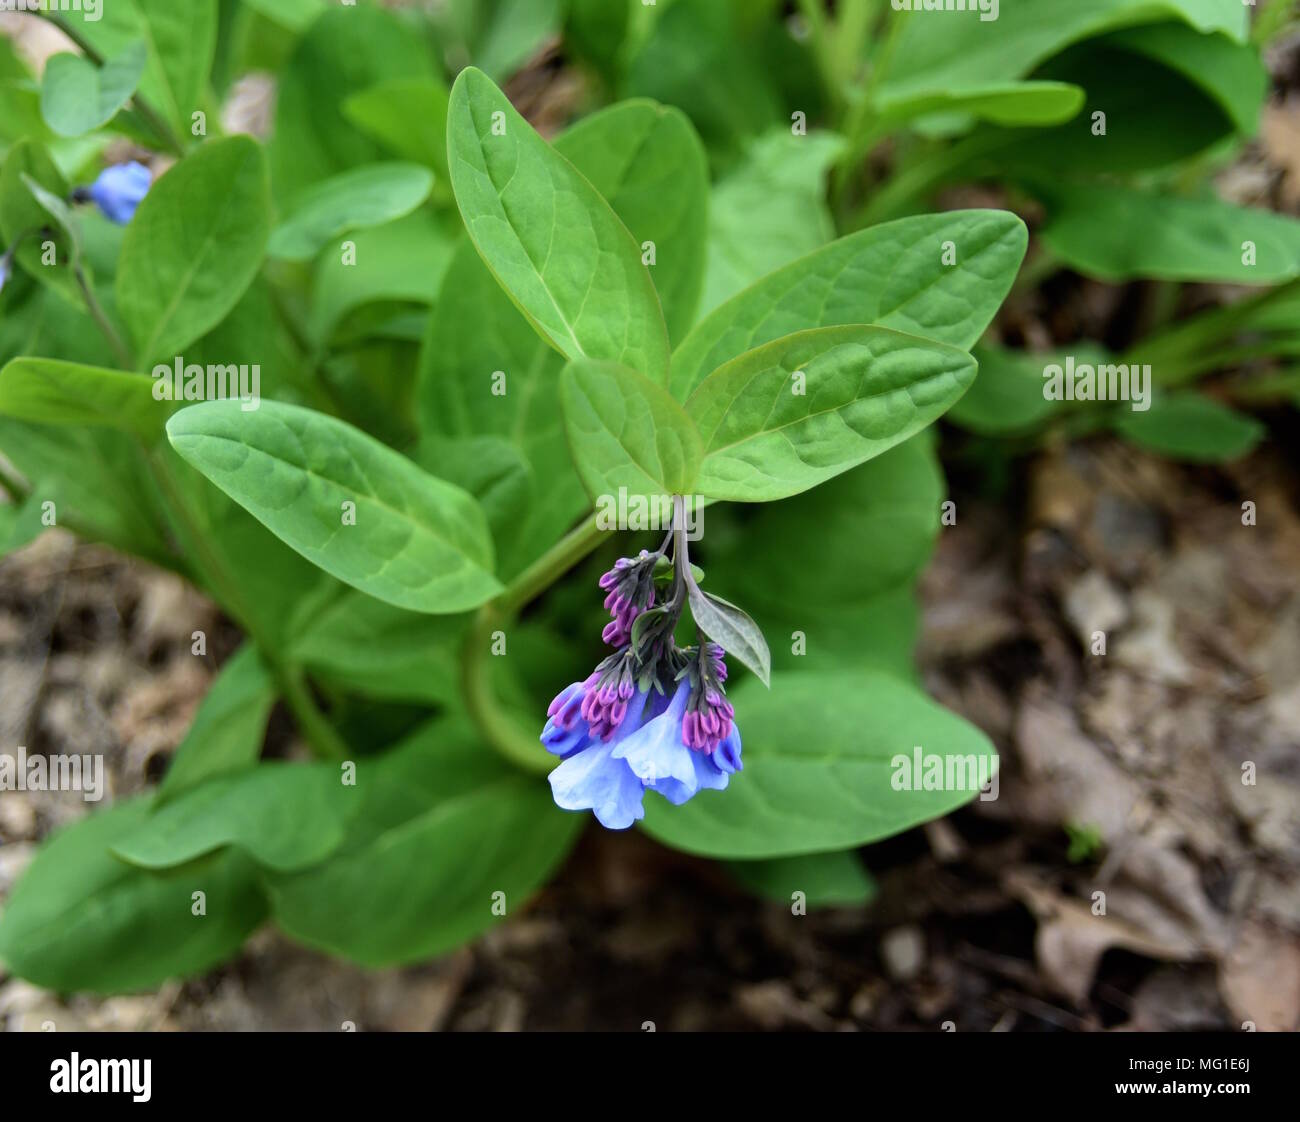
<point x="119" y="190"/>
<point x="4" y="271"/>
<point x="645" y="751"/>
<point x="652" y="716"/>
<point x="659" y="756"/>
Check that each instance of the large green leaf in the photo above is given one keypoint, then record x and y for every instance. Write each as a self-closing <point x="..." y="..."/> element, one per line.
<point x="827" y="596"/>
<point x="194" y="247"/>
<point x="1231" y="72"/>
<point x="494" y="471"/>
<point x="400" y="263"/>
<point x="284" y="816"/>
<point x="344" y="52"/>
<point x="498" y="36"/>
<point x="78" y="97"/>
<point x="20" y="524"/>
<point x="272" y="576"/>
<point x="97" y="481"/>
<point x="81" y="919"/>
<point x="474" y="333"/>
<point x="824" y="769"/>
<point x="768" y="211"/>
<point x="626" y="433"/>
<point x="826" y="880"/>
<point x="381" y="651"/>
<point x="893" y="275"/>
<point x="791" y="414"/>
<point x="1190" y="426"/>
<point x="648" y="163"/>
<point x="955" y="51"/>
<point x="822" y="550"/>
<point x="415" y="541"/>
<point x="352" y="200"/>
<point x="444" y="826"/>
<point x="554" y="244"/>
<point x="67" y="393"/>
<point x="1007" y="398"/>
<point x="1121" y="233"/>
<point x="1003" y="103"/>
<point x="407" y="116"/>
<point x="1154" y="116"/>
<point x="227" y="731"/>
<point x="697" y="58"/>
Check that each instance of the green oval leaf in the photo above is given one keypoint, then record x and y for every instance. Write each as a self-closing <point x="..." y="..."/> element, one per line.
<point x="956" y="51"/>
<point x="194" y="247"/>
<point x="727" y="624"/>
<point x="416" y="541"/>
<point x="227" y="731"/>
<point x="444" y="824"/>
<point x="81" y="919"/>
<point x="1003" y="103"/>
<point x="1190" y="426"/>
<point x="827" y="880"/>
<point x="828" y="765"/>
<point x="1120" y="233"/>
<point x="353" y="200"/>
<point x="791" y="414"/>
<point x="552" y="242"/>
<point x="406" y="115"/>
<point x="626" y="433"/>
<point x="647" y="161"/>
<point x="180" y="40"/>
<point x="892" y="275"/>
<point x="78" y="97"/>
<point x="342" y="52"/>
<point x="284" y="816"/>
<point x="68" y="393"/>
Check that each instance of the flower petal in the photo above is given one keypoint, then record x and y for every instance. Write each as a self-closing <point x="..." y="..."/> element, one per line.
<point x="594" y="780"/>
<point x="655" y="752"/>
<point x="727" y="756"/>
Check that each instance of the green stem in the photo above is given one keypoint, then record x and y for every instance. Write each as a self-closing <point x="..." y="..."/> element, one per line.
<point x="320" y="734"/>
<point x="819" y="28"/>
<point x="101" y="319"/>
<point x="13" y="487"/>
<point x="501" y="730"/>
<point x="1180" y="352"/>
<point x="923" y="177"/>
<point x="547" y="569"/>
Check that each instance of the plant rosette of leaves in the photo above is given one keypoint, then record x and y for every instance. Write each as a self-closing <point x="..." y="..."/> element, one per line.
<point x="383" y="558"/>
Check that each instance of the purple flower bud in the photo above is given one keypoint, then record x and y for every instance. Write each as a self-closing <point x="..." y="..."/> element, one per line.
<point x="630" y="590"/>
<point x="4" y="271"/>
<point x="119" y="190"/>
<point x="709" y="716"/>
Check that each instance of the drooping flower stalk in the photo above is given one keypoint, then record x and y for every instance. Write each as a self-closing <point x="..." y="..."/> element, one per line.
<point x="652" y="715"/>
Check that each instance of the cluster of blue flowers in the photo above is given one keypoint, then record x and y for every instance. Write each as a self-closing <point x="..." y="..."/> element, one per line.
<point x="652" y="716"/>
<point x="117" y="192"/>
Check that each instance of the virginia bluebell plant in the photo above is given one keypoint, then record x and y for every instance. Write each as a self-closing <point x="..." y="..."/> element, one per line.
<point x="652" y="716"/>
